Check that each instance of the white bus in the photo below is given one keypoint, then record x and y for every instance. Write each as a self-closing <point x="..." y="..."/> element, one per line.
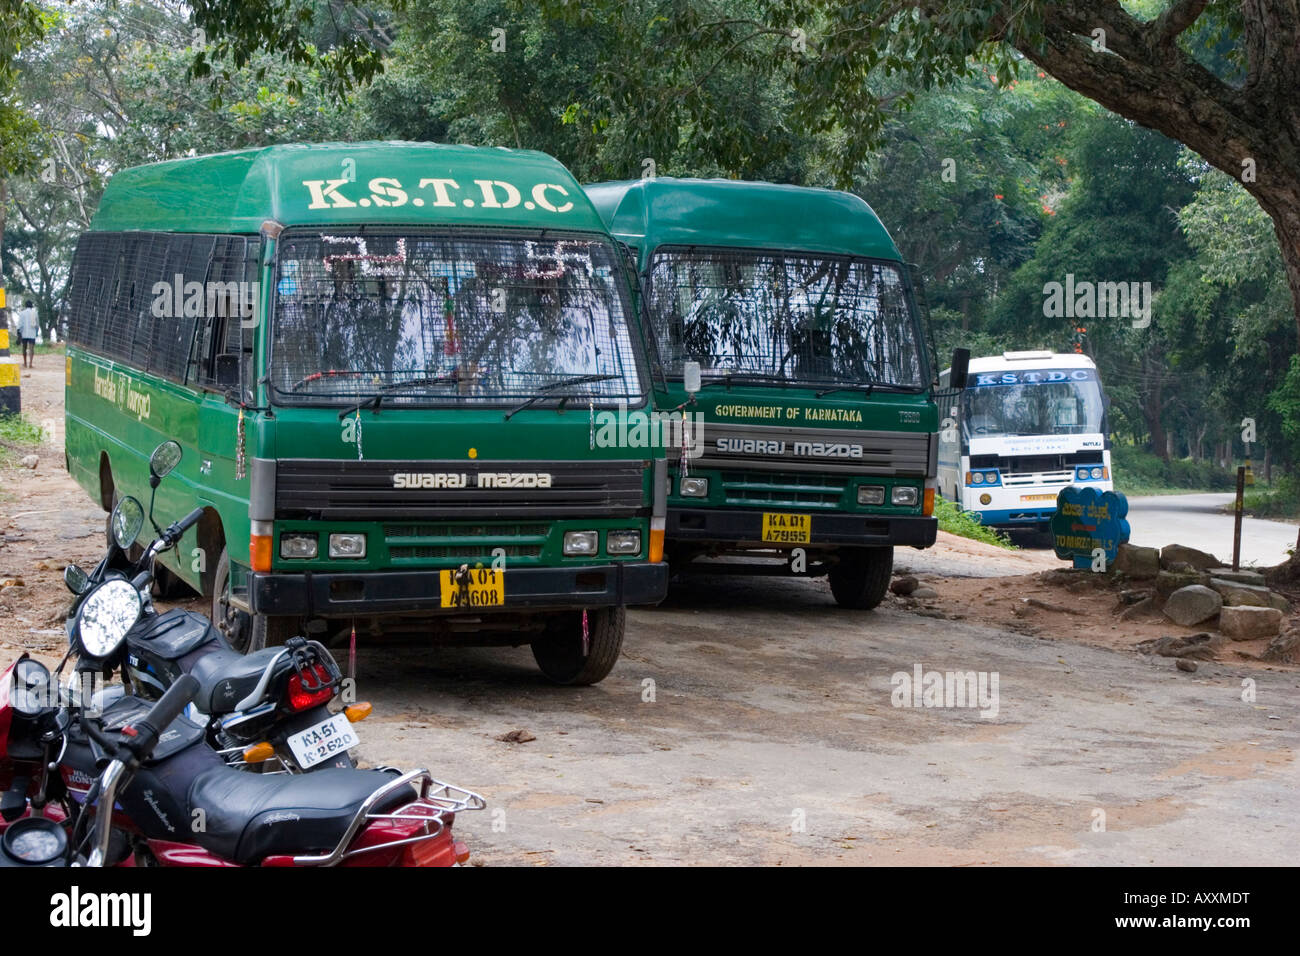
<point x="1026" y="425"/>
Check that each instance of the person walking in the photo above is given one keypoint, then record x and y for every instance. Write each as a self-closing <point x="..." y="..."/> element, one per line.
<point x="28" y="328"/>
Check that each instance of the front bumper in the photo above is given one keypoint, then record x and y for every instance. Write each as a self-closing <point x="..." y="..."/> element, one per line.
<point x="728" y="525"/>
<point x="339" y="594"/>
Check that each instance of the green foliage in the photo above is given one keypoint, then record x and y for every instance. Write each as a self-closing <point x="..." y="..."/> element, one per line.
<point x="1280" y="501"/>
<point x="965" y="524"/>
<point x="1137" y="472"/>
<point x="18" y="437"/>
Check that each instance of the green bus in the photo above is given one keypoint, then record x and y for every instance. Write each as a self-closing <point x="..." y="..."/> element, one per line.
<point x="793" y="310"/>
<point x="383" y="362"/>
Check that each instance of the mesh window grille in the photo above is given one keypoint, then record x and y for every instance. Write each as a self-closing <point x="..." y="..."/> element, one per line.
<point x="140" y="298"/>
<point x="821" y="320"/>
<point x="456" y="318"/>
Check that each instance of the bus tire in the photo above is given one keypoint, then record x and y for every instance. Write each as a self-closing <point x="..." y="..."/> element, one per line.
<point x="245" y="632"/>
<point x="559" y="652"/>
<point x="861" y="577"/>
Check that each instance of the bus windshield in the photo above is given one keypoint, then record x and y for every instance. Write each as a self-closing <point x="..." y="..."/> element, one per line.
<point x="1033" y="402"/>
<point x="426" y="318"/>
<point x="785" y="317"/>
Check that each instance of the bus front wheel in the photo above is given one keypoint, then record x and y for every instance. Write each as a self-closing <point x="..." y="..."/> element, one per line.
<point x="861" y="577"/>
<point x="562" y="656"/>
<point x="245" y="632"/>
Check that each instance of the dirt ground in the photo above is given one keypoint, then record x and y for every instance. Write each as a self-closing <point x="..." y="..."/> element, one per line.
<point x="752" y="721"/>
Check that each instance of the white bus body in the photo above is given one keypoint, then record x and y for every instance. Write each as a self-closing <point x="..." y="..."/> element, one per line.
<point x="1026" y="425"/>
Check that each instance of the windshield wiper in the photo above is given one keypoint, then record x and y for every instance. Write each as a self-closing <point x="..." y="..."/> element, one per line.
<point x="574" y="380"/>
<point x="728" y="377"/>
<point x="869" y="386"/>
<point x="373" y="401"/>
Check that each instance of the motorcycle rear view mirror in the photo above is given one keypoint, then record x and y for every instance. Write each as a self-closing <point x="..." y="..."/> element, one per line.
<point x="164" y="458"/>
<point x="126" y="522"/>
<point x="76" y="579"/>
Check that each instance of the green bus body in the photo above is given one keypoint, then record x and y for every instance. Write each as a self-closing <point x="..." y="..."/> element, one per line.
<point x="317" y="466"/>
<point x="891" y="432"/>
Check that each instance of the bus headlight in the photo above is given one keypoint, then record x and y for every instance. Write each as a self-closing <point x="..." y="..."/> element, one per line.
<point x="300" y="545"/>
<point x="694" y="488"/>
<point x="623" y="542"/>
<point x="581" y="542"/>
<point x="977" y="478"/>
<point x="347" y="546"/>
<point x="903" y="495"/>
<point x="1097" y="473"/>
<point x="871" y="494"/>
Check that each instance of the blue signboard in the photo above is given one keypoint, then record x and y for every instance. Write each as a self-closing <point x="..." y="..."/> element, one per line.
<point x="1088" y="520"/>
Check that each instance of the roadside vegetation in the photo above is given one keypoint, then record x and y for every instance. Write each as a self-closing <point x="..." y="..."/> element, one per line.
<point x="966" y="525"/>
<point x="18" y="437"/>
<point x="1138" y="472"/>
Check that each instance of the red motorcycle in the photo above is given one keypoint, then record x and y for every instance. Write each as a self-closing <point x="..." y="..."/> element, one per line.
<point x="137" y="784"/>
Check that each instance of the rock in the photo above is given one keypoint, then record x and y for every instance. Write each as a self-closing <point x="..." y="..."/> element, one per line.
<point x="1183" y="664"/>
<point x="1176" y="553"/>
<point x="904" y="585"/>
<point x="1241" y="577"/>
<point x="1137" y="562"/>
<point x="517" y="737"/>
<point x="925" y="594"/>
<point x="1193" y="604"/>
<point x="29" y="461"/>
<point x="1278" y="601"/>
<point x="1143" y="608"/>
<point x="1167" y="582"/>
<point x="1284" y="648"/>
<point x="1240" y="594"/>
<point x="1250" y="623"/>
<point x="1201" y="646"/>
<point x="1133" y="596"/>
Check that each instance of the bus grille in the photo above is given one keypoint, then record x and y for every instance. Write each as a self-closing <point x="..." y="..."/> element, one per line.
<point x="781" y="490"/>
<point x="463" y="543"/>
<point x="340" y="489"/>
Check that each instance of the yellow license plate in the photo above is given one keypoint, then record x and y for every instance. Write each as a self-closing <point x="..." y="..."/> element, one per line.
<point x="780" y="528"/>
<point x="486" y="587"/>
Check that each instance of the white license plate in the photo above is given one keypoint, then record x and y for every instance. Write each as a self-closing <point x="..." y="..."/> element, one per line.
<point x="323" y="742"/>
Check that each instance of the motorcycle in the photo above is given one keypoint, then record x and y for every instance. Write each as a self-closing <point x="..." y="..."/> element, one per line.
<point x="138" y="784"/>
<point x="261" y="710"/>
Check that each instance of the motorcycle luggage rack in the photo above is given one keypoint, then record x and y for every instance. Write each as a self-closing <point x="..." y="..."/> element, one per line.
<point x="436" y="799"/>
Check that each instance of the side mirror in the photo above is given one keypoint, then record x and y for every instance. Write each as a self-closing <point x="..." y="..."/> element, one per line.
<point x="959" y="370"/>
<point x="126" y="521"/>
<point x="691" y="377"/>
<point x="76" y="579"/>
<point x="164" y="458"/>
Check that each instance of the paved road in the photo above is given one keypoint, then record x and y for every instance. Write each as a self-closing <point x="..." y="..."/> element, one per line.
<point x="752" y="721"/>
<point x="1198" y="522"/>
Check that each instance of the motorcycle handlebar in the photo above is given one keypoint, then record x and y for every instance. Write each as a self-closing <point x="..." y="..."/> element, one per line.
<point x="180" y="527"/>
<point x="169" y="707"/>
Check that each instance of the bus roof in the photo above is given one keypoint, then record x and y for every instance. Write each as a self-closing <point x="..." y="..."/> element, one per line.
<point x="647" y="213"/>
<point x="1015" y="360"/>
<point x="347" y="183"/>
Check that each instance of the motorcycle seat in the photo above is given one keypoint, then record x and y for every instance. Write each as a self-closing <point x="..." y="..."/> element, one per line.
<point x="252" y="816"/>
<point x="227" y="677"/>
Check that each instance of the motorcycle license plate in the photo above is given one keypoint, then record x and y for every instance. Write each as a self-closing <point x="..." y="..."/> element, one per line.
<point x="782" y="528"/>
<point x="323" y="742"/>
<point x="486" y="588"/>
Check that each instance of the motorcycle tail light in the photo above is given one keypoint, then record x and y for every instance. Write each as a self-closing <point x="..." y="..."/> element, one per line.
<point x="300" y="698"/>
<point x="358" y="712"/>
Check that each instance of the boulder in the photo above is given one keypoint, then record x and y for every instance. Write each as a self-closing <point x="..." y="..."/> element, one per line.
<point x="904" y="585"/>
<point x="1250" y="623"/>
<point x="1278" y="601"/>
<point x="1284" y="647"/>
<point x="1146" y="606"/>
<point x="1177" y="553"/>
<point x="1167" y="582"/>
<point x="1193" y="604"/>
<point x="1241" y="577"/>
<point x="29" y="461"/>
<point x="1238" y="595"/>
<point x="925" y="594"/>
<point x="1137" y="562"/>
<point x="1202" y="646"/>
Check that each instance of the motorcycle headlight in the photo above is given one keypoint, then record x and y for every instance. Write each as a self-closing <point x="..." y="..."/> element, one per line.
<point x="106" y="615"/>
